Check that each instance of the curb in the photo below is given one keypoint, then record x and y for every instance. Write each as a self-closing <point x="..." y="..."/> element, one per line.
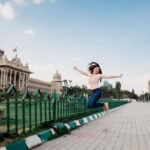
<point x="59" y="129"/>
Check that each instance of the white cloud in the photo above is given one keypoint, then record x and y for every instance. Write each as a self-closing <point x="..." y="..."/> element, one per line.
<point x="18" y="1"/>
<point x="29" y="32"/>
<point x="7" y="11"/>
<point x="52" y="0"/>
<point x="37" y="2"/>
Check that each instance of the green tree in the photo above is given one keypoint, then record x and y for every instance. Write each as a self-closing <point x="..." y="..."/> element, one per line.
<point x="118" y="90"/>
<point x="107" y="90"/>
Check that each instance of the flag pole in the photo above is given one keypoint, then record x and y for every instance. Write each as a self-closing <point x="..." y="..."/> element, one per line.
<point x="15" y="50"/>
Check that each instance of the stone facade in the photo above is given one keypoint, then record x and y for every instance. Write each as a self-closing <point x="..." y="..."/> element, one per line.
<point x="149" y="86"/>
<point x="14" y="72"/>
<point x="39" y="84"/>
<point x="56" y="84"/>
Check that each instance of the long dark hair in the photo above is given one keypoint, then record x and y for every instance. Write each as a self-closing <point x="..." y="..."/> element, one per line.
<point x="93" y="65"/>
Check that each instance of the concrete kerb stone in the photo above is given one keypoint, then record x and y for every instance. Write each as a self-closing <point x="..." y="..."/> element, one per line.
<point x="61" y="128"/>
<point x="99" y="115"/>
<point x="95" y="115"/>
<point x="18" y="144"/>
<point x="77" y="123"/>
<point x="33" y="141"/>
<point x="3" y="148"/>
<point x="91" y="117"/>
<point x="72" y="125"/>
<point x="85" y="120"/>
<point x="53" y="132"/>
<point x="67" y="126"/>
<point x="81" y="121"/>
<point x="45" y="135"/>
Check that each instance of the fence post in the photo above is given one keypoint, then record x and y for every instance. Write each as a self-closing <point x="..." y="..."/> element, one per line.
<point x="35" y="108"/>
<point x="23" y="114"/>
<point x="11" y="90"/>
<point x="26" y="95"/>
<point x="40" y="107"/>
<point x="30" y="113"/>
<point x="54" y="105"/>
<point x="16" y="111"/>
<point x="8" y="112"/>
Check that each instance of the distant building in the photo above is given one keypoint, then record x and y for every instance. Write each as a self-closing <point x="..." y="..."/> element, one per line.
<point x="14" y="72"/>
<point x="39" y="84"/>
<point x="56" y="84"/>
<point x="149" y="86"/>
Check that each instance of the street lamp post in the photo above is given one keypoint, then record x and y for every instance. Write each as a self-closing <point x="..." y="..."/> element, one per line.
<point x="65" y="84"/>
<point x="70" y="82"/>
<point x="142" y="96"/>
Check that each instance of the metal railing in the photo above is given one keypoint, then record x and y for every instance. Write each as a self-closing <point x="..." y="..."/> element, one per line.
<point x="23" y="113"/>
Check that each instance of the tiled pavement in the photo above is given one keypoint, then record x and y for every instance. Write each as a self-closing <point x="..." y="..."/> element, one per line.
<point x="127" y="128"/>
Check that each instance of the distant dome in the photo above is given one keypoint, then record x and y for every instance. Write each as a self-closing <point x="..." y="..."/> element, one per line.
<point x="16" y="60"/>
<point x="57" y="75"/>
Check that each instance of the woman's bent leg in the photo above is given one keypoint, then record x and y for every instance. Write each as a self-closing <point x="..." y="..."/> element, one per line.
<point x="93" y="100"/>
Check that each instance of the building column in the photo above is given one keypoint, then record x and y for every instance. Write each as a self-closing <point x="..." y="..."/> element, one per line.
<point x="27" y="76"/>
<point x="15" y="78"/>
<point x="23" y="81"/>
<point x="19" y="81"/>
<point x="6" y="79"/>
<point x="1" y="78"/>
<point x="28" y="80"/>
<point x="10" y="77"/>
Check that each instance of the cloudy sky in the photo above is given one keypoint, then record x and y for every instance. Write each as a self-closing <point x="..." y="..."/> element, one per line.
<point x="60" y="34"/>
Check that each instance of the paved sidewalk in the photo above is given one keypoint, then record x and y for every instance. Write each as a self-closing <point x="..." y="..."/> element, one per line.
<point x="127" y="128"/>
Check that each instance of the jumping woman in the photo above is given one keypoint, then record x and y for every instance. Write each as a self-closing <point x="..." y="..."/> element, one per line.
<point x="94" y="78"/>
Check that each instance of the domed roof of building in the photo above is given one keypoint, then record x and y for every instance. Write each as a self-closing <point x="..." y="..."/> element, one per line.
<point x="57" y="75"/>
<point x="16" y="60"/>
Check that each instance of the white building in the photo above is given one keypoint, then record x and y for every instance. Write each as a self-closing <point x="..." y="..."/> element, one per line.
<point x="14" y="72"/>
<point x="149" y="86"/>
<point x="56" y="84"/>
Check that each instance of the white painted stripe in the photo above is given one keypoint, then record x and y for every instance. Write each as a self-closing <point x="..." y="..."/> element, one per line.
<point x="95" y="116"/>
<point x="3" y="148"/>
<point x="99" y="114"/>
<point x="77" y="122"/>
<point x="91" y="117"/>
<point x="33" y="141"/>
<point x="67" y="126"/>
<point x="85" y="120"/>
<point x="52" y="130"/>
<point x="102" y="114"/>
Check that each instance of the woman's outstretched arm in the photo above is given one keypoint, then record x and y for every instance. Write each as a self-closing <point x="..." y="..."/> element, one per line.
<point x="110" y="77"/>
<point x="80" y="71"/>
